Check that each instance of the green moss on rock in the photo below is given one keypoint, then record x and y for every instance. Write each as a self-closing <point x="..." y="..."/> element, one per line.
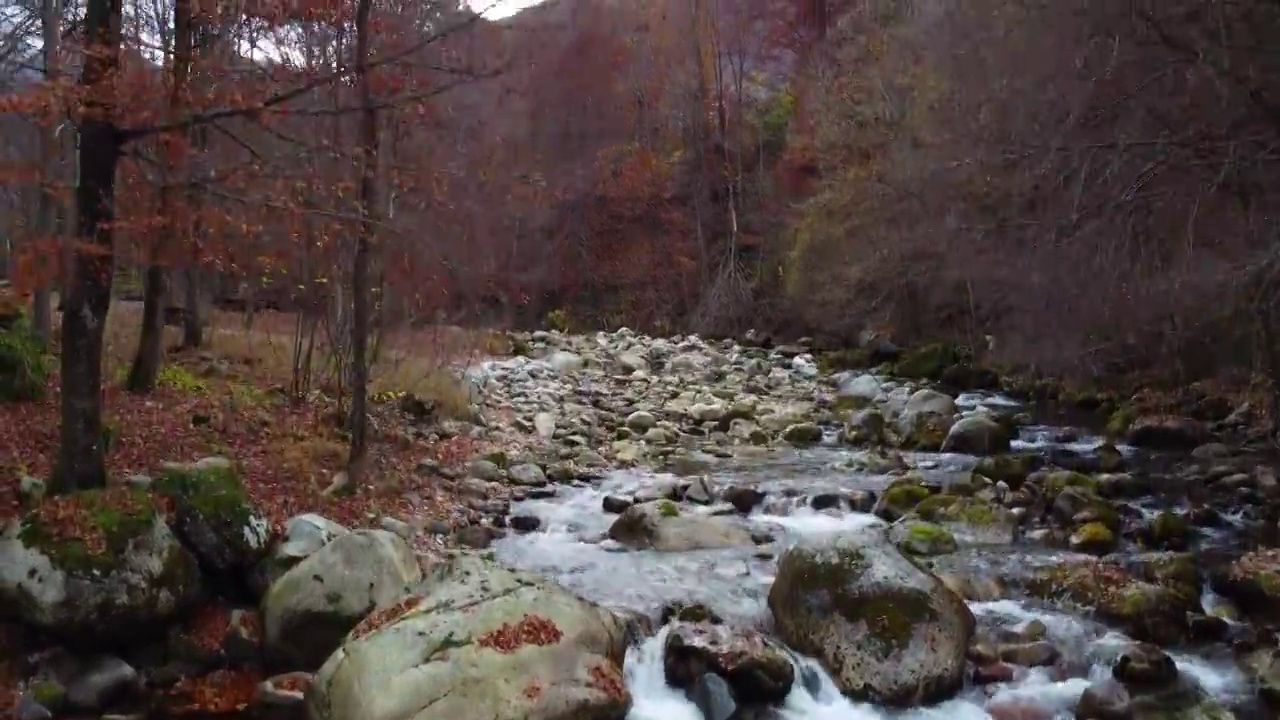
<point x="117" y="516"/>
<point x="924" y="538"/>
<point x="666" y="508"/>
<point x="49" y="694"/>
<point x="929" y="362"/>
<point x="1170" y="530"/>
<point x="1120" y="421"/>
<point x="891" y="619"/>
<point x="1094" y="538"/>
<point x="211" y="488"/>
<point x="959" y="509"/>
<point x="1059" y="480"/>
<point x="1012" y="469"/>
<point x="900" y="497"/>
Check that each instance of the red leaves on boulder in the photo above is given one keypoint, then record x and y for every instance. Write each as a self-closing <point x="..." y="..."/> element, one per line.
<point x="531" y="630"/>
<point x="385" y="616"/>
<point x="78" y="517"/>
<point x="607" y="679"/>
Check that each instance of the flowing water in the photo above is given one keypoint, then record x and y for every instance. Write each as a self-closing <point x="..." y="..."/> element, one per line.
<point x="571" y="548"/>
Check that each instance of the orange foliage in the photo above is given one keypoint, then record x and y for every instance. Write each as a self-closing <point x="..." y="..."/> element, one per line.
<point x="530" y="630"/>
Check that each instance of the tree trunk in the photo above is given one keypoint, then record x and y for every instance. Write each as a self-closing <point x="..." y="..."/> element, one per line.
<point x="81" y="462"/>
<point x="46" y="203"/>
<point x="193" y="318"/>
<point x="150" y="353"/>
<point x="360" y="290"/>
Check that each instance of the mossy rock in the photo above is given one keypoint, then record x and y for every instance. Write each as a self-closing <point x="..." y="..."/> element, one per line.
<point x="1145" y="610"/>
<point x="1094" y="538"/>
<point x="1055" y="481"/>
<point x="924" y="539"/>
<point x="952" y="508"/>
<point x="1010" y="468"/>
<point x="666" y="508"/>
<point x="849" y="359"/>
<point x="1170" y="531"/>
<point x="97" y="566"/>
<point x="48" y="694"/>
<point x="970" y="377"/>
<point x="1252" y="582"/>
<point x="900" y="498"/>
<point x="887" y="631"/>
<point x="1119" y="422"/>
<point x="929" y="362"/>
<point x="118" y="517"/>
<point x="926" y="433"/>
<point x="214" y="514"/>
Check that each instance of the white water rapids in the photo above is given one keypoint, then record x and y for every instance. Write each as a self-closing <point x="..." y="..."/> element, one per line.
<point x="735" y="583"/>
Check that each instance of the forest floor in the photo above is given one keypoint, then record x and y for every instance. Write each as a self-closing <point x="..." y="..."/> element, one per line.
<point x="230" y="399"/>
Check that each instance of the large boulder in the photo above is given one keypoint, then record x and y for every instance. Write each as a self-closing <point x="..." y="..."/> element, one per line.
<point x="480" y="642"/>
<point x="661" y="526"/>
<point x="308" y="611"/>
<point x="886" y="630"/>
<point x="926" y="420"/>
<point x="215" y="518"/>
<point x="96" y="566"/>
<point x="302" y="537"/>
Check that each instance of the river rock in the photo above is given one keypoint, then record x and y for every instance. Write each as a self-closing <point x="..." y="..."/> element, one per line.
<point x="977" y="435"/>
<point x="926" y="420"/>
<point x="1167" y="433"/>
<point x="886" y="630"/>
<point x="141" y="580"/>
<point x="743" y="499"/>
<point x="1144" y="667"/>
<point x="713" y="697"/>
<point x="308" y="611"/>
<point x="922" y="539"/>
<point x="479" y="642"/>
<point x="1252" y="582"/>
<point x="756" y="668"/>
<point x="858" y="392"/>
<point x="661" y="526"/>
<point x="1152" y="607"/>
<point x="1105" y="700"/>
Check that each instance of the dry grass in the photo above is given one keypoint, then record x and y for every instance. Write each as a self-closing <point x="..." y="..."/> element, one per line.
<point x="418" y="361"/>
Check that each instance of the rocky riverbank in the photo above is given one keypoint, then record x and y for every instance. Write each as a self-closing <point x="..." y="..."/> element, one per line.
<point x="670" y="528"/>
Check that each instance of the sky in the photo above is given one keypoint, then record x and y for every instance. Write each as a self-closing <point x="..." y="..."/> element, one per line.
<point x="502" y="8"/>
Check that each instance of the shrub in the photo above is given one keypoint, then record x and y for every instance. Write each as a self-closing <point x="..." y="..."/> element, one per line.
<point x="181" y="379"/>
<point x="557" y="320"/>
<point x="24" y="365"/>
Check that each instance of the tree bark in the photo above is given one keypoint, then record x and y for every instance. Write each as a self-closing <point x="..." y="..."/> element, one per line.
<point x="46" y="203"/>
<point x="360" y="290"/>
<point x="150" y="353"/>
<point x="81" y="462"/>
<point x="193" y="318"/>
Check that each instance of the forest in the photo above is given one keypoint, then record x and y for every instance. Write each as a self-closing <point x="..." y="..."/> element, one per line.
<point x="291" y="232"/>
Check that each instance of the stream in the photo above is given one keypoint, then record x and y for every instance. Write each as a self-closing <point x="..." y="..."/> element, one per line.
<point x="571" y="547"/>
